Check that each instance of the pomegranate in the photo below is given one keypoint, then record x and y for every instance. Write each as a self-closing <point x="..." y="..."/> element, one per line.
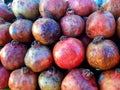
<point x="110" y="80"/>
<point x="4" y="77"/>
<point x="4" y="33"/>
<point x="118" y="27"/>
<point x="22" y="79"/>
<point x="100" y="23"/>
<point x="82" y="7"/>
<point x="113" y="7"/>
<point x="102" y="54"/>
<point x="38" y="57"/>
<point x="50" y="79"/>
<point x="54" y="9"/>
<point x="71" y="24"/>
<point x="79" y="79"/>
<point x="28" y="8"/>
<point x="5" y="12"/>
<point x="12" y="55"/>
<point x="21" y="30"/>
<point x="68" y="53"/>
<point x="46" y="30"/>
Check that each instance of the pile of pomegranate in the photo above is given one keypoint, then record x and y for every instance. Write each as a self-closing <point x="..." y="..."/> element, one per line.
<point x="60" y="45"/>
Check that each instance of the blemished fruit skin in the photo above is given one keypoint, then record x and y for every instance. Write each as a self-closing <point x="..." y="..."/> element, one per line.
<point x="110" y="80"/>
<point x="102" y="53"/>
<point x="68" y="53"/>
<point x="100" y="23"/>
<point x="79" y="79"/>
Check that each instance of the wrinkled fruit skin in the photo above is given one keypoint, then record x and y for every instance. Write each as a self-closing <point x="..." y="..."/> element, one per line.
<point x="118" y="27"/>
<point x="103" y="54"/>
<point x="72" y="25"/>
<point x="5" y="12"/>
<point x="28" y="8"/>
<point x="109" y="80"/>
<point x="82" y="7"/>
<point x="54" y="9"/>
<point x="68" y="53"/>
<point x="50" y="79"/>
<point x="113" y="7"/>
<point x="4" y="34"/>
<point x="21" y="30"/>
<point x="46" y="30"/>
<point x="38" y="58"/>
<point x="12" y="55"/>
<point x="100" y="23"/>
<point x="22" y="79"/>
<point x="79" y="79"/>
<point x="4" y="77"/>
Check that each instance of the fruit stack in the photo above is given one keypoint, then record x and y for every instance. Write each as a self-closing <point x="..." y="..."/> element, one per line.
<point x="60" y="45"/>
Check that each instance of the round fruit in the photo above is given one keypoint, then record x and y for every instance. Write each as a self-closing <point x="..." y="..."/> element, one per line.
<point x="82" y="7"/>
<point x="100" y="23"/>
<point x="102" y="54"/>
<point x="79" y="79"/>
<point x="54" y="9"/>
<point x="12" y="55"/>
<point x="71" y="24"/>
<point x="4" y="77"/>
<point x="46" y="30"/>
<point x="21" y="30"/>
<point x="68" y="53"/>
<point x="50" y="79"/>
<point x="28" y="8"/>
<point x="110" y="80"/>
<point x="38" y="57"/>
<point x="22" y="79"/>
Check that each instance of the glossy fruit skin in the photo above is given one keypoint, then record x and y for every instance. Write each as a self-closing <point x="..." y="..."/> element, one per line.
<point x="28" y="8"/>
<point x="72" y="25"/>
<point x="12" y="55"/>
<point x="110" y="80"/>
<point x="102" y="54"/>
<point x="82" y="7"/>
<point x="21" y="30"/>
<point x="50" y="79"/>
<point x="118" y="27"/>
<point x="113" y="7"/>
<point x="54" y="9"/>
<point x="4" y="77"/>
<point x="68" y="53"/>
<point x="79" y="79"/>
<point x="100" y="23"/>
<point x="38" y="57"/>
<point x="22" y="79"/>
<point x="46" y="30"/>
<point x="4" y="34"/>
<point x="5" y="12"/>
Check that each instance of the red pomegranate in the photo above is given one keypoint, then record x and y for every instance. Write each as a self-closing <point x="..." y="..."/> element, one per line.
<point x="110" y="80"/>
<point x="28" y="8"/>
<point x="4" y="33"/>
<point x="52" y="8"/>
<point x="46" y="30"/>
<point x="5" y="12"/>
<point x="102" y="53"/>
<point x="82" y="7"/>
<point x="100" y="23"/>
<point x="12" y="55"/>
<point x="22" y="79"/>
<point x="38" y="57"/>
<point x="21" y="30"/>
<point x="79" y="79"/>
<point x="4" y="77"/>
<point x="71" y="24"/>
<point x="68" y="53"/>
